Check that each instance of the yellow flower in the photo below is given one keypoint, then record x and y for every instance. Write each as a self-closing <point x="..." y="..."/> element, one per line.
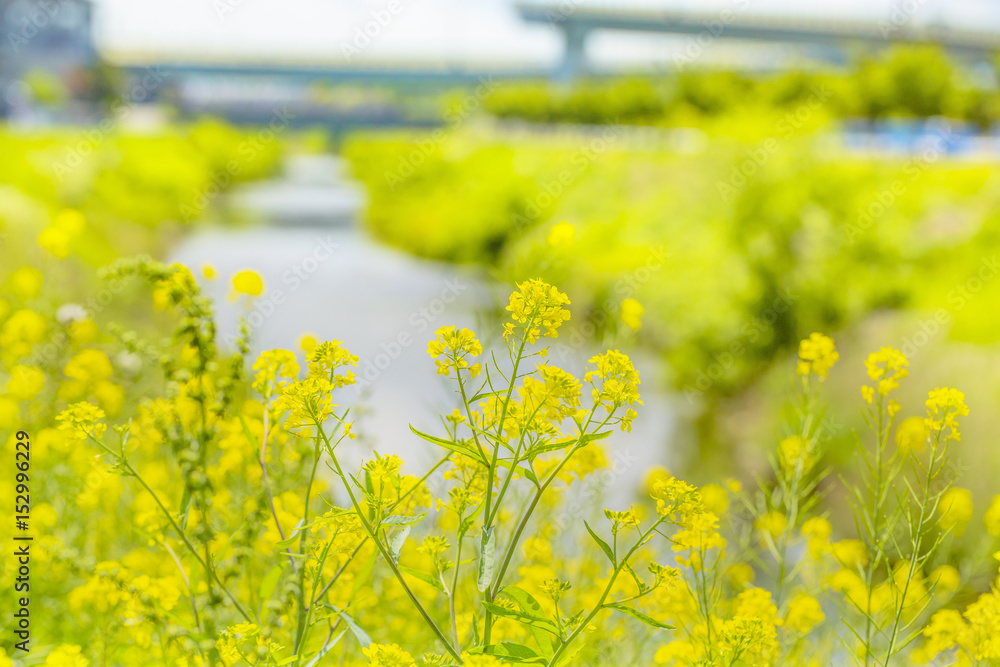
<point x="773" y="523"/>
<point x="67" y="655"/>
<point x="9" y="413"/>
<point x="955" y="509"/>
<point x="700" y="533"/>
<point x="911" y="435"/>
<point x="23" y="329"/>
<point x="81" y="419"/>
<point x="943" y="632"/>
<point x="619" y="384"/>
<point x="561" y="234"/>
<point x="678" y="652"/>
<point x="384" y="467"/>
<point x="992" y="517"/>
<point x="632" y="312"/>
<point x="536" y="305"/>
<point x="451" y="348"/>
<point x="817" y="354"/>
<point x="982" y="633"/>
<point x="888" y="366"/>
<point x="740" y="574"/>
<point x="307" y="343"/>
<point x="55" y="241"/>
<point x="26" y="282"/>
<point x="793" y="452"/>
<point x="208" y="271"/>
<point x="70" y="221"/>
<point x="945" y="579"/>
<point x="25" y="382"/>
<point x="804" y="613"/>
<point x="623" y="519"/>
<point x="388" y="655"/>
<point x="943" y="407"/>
<point x="817" y="530"/>
<point x="850" y="553"/>
<point x="715" y="498"/>
<point x="248" y="282"/>
<point x="308" y="402"/>
<point x="89" y="366"/>
<point x="271" y="365"/>
<point x="327" y="358"/>
<point x="676" y="498"/>
<point x="537" y="549"/>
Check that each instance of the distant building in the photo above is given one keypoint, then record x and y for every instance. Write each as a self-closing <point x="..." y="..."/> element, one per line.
<point x="44" y="41"/>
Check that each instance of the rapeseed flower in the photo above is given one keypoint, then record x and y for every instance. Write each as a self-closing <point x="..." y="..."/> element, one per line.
<point x="817" y="354"/>
<point x="81" y="420"/>
<point x="887" y="366"/>
<point x="944" y="406"/>
<point x="248" y="282"/>
<point x="388" y="655"/>
<point x="536" y="305"/>
<point x="452" y="347"/>
<point x="955" y="509"/>
<point x="631" y="314"/>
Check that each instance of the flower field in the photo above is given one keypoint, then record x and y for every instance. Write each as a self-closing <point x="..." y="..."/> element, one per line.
<point x="823" y="320"/>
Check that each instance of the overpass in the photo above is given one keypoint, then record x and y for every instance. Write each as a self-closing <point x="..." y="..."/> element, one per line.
<point x="577" y="21"/>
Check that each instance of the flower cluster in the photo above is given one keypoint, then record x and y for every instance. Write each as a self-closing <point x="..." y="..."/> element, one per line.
<point x="944" y="406"/>
<point x="81" y="420"/>
<point x="271" y="367"/>
<point x="536" y="305"/>
<point x="330" y="356"/>
<point x="615" y="384"/>
<point x="452" y="348"/>
<point x="887" y="367"/>
<point x="817" y="354"/>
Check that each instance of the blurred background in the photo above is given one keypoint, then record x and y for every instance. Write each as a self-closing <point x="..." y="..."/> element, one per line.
<point x="709" y="182"/>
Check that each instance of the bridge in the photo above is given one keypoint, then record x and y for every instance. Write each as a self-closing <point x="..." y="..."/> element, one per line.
<point x="578" y="21"/>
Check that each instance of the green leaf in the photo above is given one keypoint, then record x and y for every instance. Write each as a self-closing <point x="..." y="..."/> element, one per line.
<point x="584" y="440"/>
<point x="487" y="555"/>
<point x="521" y="617"/>
<point x="426" y="578"/>
<point x="638" y="615"/>
<point x="326" y="649"/>
<point x="601" y="543"/>
<point x="531" y="607"/>
<point x="356" y="630"/>
<point x="451" y="445"/>
<point x="524" y="471"/>
<point x="483" y="394"/>
<point x="515" y="652"/>
<point x="270" y="581"/>
<point x="400" y="520"/>
<point x="397" y="542"/>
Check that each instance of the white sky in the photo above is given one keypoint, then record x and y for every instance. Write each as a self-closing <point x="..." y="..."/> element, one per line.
<point x="459" y="32"/>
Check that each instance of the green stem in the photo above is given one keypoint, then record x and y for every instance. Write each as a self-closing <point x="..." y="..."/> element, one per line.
<point x="187" y="542"/>
<point x="488" y="620"/>
<point x="917" y="544"/>
<point x="564" y="644"/>
<point x="385" y="554"/>
<point x="526" y="515"/>
<point x="454" y="592"/>
<point x="301" y="630"/>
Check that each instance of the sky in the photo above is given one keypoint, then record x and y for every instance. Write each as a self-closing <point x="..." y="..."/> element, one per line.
<point x="435" y="32"/>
